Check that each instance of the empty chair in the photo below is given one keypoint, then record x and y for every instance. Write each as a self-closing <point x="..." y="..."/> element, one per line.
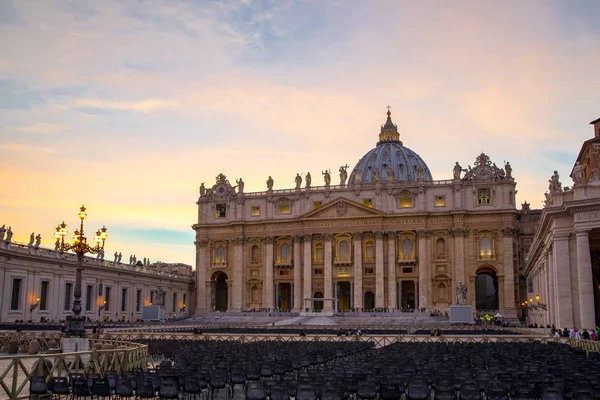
<point x="144" y="388"/>
<point x="37" y="387"/>
<point x="417" y="390"/>
<point x="100" y="388"/>
<point x="124" y="388"/>
<point x="366" y="390"/>
<point x="59" y="385"/>
<point x="305" y="391"/>
<point x="390" y="392"/>
<point x="255" y="391"/>
<point x="191" y="387"/>
<point x="80" y="388"/>
<point x="551" y="393"/>
<point x="169" y="389"/>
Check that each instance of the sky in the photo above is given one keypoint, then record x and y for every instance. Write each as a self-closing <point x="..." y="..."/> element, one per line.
<point x="128" y="106"/>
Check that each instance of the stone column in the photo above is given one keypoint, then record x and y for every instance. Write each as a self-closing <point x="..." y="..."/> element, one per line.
<point x="562" y="266"/>
<point x="379" y="282"/>
<point x="238" y="274"/>
<point x="548" y="254"/>
<point x="229" y="294"/>
<point x="399" y="305"/>
<point x="585" y="281"/>
<point x="424" y="281"/>
<point x="307" y="260"/>
<point x="459" y="256"/>
<point x="417" y="295"/>
<point x="392" y="285"/>
<point x="268" y="300"/>
<point x="328" y="273"/>
<point x="358" y="270"/>
<point x="297" y="300"/>
<point x="509" y="273"/>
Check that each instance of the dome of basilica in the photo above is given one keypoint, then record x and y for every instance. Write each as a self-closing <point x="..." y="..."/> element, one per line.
<point x="390" y="160"/>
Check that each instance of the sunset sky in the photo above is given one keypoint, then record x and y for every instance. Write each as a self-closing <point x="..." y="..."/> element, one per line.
<point x="128" y="106"/>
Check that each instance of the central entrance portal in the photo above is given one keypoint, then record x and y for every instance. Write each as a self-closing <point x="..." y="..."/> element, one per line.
<point x="407" y="301"/>
<point x="343" y="295"/>
<point x="285" y="296"/>
<point x="221" y="292"/>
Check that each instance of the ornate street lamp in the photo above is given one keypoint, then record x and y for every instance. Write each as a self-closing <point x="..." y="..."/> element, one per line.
<point x="76" y="322"/>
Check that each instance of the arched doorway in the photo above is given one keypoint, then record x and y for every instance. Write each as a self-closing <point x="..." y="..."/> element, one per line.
<point x="221" y="291"/>
<point x="369" y="301"/>
<point x="318" y="305"/>
<point x="486" y="289"/>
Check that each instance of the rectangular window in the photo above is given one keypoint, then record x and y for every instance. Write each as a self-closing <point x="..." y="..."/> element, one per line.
<point x="221" y="210"/>
<point x="15" y="298"/>
<point x="484" y="197"/>
<point x="318" y="271"/>
<point x="316" y="204"/>
<point x="407" y="270"/>
<point x="284" y="209"/>
<point x="107" y="299"/>
<point x="174" y="302"/>
<point x="368" y="203"/>
<point x="439" y="201"/>
<point x="44" y="296"/>
<point x="123" y="299"/>
<point x="369" y="271"/>
<point x="138" y="300"/>
<point x="88" y="297"/>
<point x="255" y="211"/>
<point x="68" y="291"/>
<point x="405" y="202"/>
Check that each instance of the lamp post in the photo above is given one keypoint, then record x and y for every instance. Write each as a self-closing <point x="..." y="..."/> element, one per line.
<point x="76" y="322"/>
<point x="33" y="307"/>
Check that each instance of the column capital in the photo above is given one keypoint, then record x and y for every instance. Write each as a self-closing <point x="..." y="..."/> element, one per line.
<point x="391" y="234"/>
<point x="297" y="238"/>
<point x="424" y="233"/>
<point x="378" y="234"/>
<point x="508" y="231"/>
<point x="357" y="235"/>
<point x="269" y="239"/>
<point x="459" y="232"/>
<point x="327" y="236"/>
<point x="307" y="237"/>
<point x="202" y="242"/>
<point x="582" y="232"/>
<point x="237" y="240"/>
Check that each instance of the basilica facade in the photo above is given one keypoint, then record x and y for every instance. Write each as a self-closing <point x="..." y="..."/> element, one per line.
<point x="385" y="237"/>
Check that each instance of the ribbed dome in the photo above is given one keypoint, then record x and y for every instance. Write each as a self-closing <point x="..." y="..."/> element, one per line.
<point x="390" y="155"/>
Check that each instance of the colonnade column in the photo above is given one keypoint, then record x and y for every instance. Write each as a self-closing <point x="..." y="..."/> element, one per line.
<point x="210" y="295"/>
<point x="307" y="261"/>
<point x="392" y="285"/>
<point x="423" y="268"/>
<point x="297" y="273"/>
<point x="268" y="299"/>
<point x="358" y="270"/>
<point x="564" y="303"/>
<point x="328" y="273"/>
<point x="238" y="273"/>
<point x="229" y="294"/>
<point x="379" y="282"/>
<point x="551" y="287"/>
<point x="509" y="275"/>
<point x="585" y="280"/>
<point x="201" y="247"/>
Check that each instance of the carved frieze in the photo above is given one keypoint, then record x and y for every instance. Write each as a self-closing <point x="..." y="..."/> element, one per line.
<point x="202" y="242"/>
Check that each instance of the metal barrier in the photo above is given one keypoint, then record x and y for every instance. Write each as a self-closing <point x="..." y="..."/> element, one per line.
<point x="15" y="370"/>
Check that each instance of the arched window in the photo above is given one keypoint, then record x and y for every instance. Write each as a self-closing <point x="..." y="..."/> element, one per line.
<point x="319" y="251"/>
<point x="407" y="249"/>
<point x="284" y="253"/>
<point x="485" y="247"/>
<point x="255" y="254"/>
<point x="369" y="251"/>
<point x="440" y="248"/>
<point x="220" y="255"/>
<point x="344" y="250"/>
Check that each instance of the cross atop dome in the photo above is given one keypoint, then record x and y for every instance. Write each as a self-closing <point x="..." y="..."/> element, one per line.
<point x="389" y="131"/>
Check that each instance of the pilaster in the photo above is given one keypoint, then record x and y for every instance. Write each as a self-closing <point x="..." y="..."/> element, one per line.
<point x="238" y="274"/>
<point x="268" y="295"/>
<point x="392" y="285"/>
<point x="379" y="281"/>
<point x="564" y="301"/>
<point x="297" y="293"/>
<point x="509" y="304"/>
<point x="585" y="281"/>
<point x="307" y="260"/>
<point x="328" y="273"/>
<point x="358" y="270"/>
<point x="424" y="278"/>
<point x="201" y="264"/>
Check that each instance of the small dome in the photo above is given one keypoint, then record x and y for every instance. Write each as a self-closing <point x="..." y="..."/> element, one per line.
<point x="390" y="157"/>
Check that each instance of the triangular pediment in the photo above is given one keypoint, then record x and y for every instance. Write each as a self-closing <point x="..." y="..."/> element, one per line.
<point x="342" y="208"/>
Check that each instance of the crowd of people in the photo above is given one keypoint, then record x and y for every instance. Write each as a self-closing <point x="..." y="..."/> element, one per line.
<point x="593" y="335"/>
